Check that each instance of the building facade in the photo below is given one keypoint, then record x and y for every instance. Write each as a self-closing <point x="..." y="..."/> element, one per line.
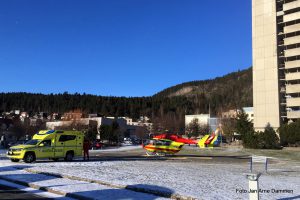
<point x="233" y="113"/>
<point x="276" y="61"/>
<point x="203" y="119"/>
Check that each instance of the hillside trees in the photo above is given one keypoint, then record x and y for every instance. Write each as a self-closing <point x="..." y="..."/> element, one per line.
<point x="167" y="108"/>
<point x="230" y="91"/>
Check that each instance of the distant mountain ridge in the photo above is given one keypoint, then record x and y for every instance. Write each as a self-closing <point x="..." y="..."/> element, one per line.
<point x="233" y="90"/>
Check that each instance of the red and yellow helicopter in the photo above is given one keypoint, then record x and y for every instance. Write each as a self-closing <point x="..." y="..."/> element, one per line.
<point x="165" y="144"/>
<point x="168" y="144"/>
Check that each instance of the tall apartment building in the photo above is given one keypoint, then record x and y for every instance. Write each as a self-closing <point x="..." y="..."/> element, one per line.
<point x="276" y="61"/>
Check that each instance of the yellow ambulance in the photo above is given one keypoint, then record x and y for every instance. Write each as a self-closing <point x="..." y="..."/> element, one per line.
<point x="52" y="144"/>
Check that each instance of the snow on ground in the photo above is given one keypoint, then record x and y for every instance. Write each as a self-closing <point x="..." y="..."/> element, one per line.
<point x="197" y="179"/>
<point x="73" y="187"/>
<point x="204" y="181"/>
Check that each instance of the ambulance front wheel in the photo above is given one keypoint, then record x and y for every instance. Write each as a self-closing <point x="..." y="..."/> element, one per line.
<point x="29" y="157"/>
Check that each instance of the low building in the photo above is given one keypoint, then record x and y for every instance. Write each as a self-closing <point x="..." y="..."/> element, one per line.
<point x="203" y="119"/>
<point x="72" y="115"/>
<point x="36" y="122"/>
<point x="234" y="112"/>
<point x="147" y="125"/>
<point x="230" y="113"/>
<point x="128" y="120"/>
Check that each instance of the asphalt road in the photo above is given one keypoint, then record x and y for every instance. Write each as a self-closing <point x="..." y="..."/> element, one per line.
<point x="7" y="192"/>
<point x="182" y="156"/>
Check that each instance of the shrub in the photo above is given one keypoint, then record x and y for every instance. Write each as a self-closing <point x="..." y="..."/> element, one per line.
<point x="250" y="140"/>
<point x="268" y="139"/>
<point x="290" y="134"/>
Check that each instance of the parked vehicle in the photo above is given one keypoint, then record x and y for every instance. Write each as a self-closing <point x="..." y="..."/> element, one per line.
<point x="97" y="145"/>
<point x="52" y="144"/>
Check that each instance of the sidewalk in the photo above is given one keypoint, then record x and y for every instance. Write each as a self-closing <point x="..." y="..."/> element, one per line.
<point x="9" y="190"/>
<point x="69" y="188"/>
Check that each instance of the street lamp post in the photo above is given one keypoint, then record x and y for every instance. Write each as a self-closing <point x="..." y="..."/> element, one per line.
<point x="253" y="186"/>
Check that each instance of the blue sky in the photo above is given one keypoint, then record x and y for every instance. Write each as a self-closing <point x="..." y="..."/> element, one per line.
<point x="120" y="47"/>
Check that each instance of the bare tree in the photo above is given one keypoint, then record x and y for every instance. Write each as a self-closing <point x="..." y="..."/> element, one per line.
<point x="193" y="128"/>
<point x="229" y="127"/>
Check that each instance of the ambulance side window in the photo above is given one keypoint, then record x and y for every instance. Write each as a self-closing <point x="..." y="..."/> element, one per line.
<point x="47" y="143"/>
<point x="64" y="138"/>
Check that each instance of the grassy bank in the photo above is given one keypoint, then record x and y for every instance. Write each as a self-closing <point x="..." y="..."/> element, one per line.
<point x="292" y="154"/>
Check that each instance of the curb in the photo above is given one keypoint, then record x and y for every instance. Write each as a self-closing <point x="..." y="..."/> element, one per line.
<point x="47" y="189"/>
<point x="127" y="187"/>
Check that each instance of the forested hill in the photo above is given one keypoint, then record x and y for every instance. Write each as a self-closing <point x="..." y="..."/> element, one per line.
<point x="230" y="91"/>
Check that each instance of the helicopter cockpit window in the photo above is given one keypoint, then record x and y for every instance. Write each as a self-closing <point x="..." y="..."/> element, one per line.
<point x="150" y="142"/>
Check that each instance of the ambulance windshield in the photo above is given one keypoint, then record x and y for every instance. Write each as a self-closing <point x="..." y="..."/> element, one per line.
<point x="32" y="142"/>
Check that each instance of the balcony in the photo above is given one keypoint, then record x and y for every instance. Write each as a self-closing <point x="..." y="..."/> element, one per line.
<point x="292" y="76"/>
<point x="290" y="102"/>
<point x="280" y="13"/>
<point x="292" y="64"/>
<point x="292" y="52"/>
<point x="291" y="5"/>
<point x="292" y="28"/>
<point x="293" y="114"/>
<point x="293" y="88"/>
<point x="292" y="40"/>
<point x="291" y="17"/>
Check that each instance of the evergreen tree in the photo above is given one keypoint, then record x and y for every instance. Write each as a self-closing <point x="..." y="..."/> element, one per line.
<point x="245" y="128"/>
<point x="290" y="134"/>
<point x="268" y="139"/>
<point x="105" y="132"/>
<point x="243" y="124"/>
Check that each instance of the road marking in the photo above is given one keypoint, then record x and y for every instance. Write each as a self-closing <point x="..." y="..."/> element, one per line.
<point x="204" y="158"/>
<point x="183" y="158"/>
<point x="179" y="158"/>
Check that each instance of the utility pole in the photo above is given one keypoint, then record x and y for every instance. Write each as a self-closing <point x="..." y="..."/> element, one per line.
<point x="209" y="116"/>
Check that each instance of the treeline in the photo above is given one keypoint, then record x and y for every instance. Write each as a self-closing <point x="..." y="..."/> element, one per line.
<point x="166" y="109"/>
<point x="233" y="90"/>
<point x="107" y="106"/>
